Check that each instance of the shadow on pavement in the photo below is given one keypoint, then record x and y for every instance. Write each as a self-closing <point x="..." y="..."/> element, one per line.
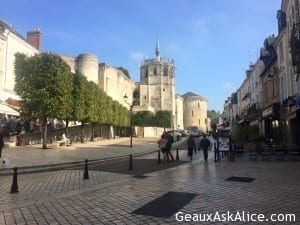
<point x="140" y="166"/>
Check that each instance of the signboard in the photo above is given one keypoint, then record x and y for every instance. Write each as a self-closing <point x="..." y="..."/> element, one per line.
<point x="268" y="111"/>
<point x="224" y="144"/>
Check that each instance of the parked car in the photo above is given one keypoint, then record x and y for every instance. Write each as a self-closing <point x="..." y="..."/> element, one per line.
<point x="177" y="136"/>
<point x="183" y="133"/>
<point x="195" y="133"/>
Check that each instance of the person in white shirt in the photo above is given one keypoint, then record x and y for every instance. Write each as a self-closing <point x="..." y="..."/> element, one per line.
<point x="64" y="138"/>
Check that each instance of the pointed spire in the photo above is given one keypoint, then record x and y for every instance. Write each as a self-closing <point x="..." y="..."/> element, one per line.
<point x="157" y="50"/>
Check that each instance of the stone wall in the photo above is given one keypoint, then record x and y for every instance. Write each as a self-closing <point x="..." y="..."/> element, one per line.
<point x="74" y="133"/>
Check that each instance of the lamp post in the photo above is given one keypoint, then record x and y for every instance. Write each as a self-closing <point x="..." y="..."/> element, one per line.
<point x="130" y="105"/>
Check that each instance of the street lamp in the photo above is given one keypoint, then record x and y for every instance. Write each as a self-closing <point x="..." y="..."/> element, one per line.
<point x="130" y="105"/>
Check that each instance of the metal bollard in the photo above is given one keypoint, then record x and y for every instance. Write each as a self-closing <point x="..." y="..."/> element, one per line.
<point x="130" y="162"/>
<point x="177" y="155"/>
<point x="86" y="171"/>
<point x="14" y="186"/>
<point x="158" y="153"/>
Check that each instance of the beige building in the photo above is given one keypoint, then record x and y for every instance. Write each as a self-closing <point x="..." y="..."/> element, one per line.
<point x="116" y="84"/>
<point x="11" y="43"/>
<point x="179" y="112"/>
<point x="195" y="111"/>
<point x="110" y="79"/>
<point x="157" y="83"/>
<point x="155" y="90"/>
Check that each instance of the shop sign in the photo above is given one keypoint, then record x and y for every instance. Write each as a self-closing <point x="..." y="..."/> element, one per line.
<point x="268" y="111"/>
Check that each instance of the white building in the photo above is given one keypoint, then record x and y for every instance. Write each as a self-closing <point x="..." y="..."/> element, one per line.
<point x="11" y="43"/>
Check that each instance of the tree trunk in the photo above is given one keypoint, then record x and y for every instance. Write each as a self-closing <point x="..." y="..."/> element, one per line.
<point x="44" y="128"/>
<point x="82" y="132"/>
<point x="67" y="127"/>
<point x="93" y="131"/>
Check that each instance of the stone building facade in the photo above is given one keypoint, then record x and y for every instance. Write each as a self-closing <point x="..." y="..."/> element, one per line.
<point x="278" y="113"/>
<point x="157" y="83"/>
<point x="10" y="43"/>
<point x="195" y="111"/>
<point x="110" y="79"/>
<point x="179" y="112"/>
<point x="155" y="90"/>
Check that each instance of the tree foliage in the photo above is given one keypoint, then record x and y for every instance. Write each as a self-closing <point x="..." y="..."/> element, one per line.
<point x="48" y="89"/>
<point x="212" y="114"/>
<point x="125" y="71"/>
<point x="163" y="118"/>
<point x="44" y="84"/>
<point x="143" y="118"/>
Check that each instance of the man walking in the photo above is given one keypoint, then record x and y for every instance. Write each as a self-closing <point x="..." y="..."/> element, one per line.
<point x="205" y="144"/>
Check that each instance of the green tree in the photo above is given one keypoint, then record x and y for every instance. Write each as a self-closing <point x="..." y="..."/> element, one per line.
<point x="94" y="108"/>
<point x="125" y="71"/>
<point x="143" y="118"/>
<point x="81" y="101"/>
<point x="44" y="83"/>
<point x="212" y="114"/>
<point x="163" y="118"/>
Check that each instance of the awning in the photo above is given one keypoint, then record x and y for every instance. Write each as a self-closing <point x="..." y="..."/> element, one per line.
<point x="5" y="109"/>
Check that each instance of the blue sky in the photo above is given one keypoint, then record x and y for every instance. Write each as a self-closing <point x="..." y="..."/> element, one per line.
<point x="211" y="41"/>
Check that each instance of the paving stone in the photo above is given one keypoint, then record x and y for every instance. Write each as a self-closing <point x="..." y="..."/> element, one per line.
<point x="63" y="197"/>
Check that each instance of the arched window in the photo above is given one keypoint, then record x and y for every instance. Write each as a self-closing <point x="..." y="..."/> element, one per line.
<point x="155" y="71"/>
<point x="166" y="71"/>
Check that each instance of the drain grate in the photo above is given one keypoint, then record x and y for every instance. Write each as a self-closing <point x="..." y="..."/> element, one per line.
<point x="241" y="179"/>
<point x="140" y="176"/>
<point x="166" y="205"/>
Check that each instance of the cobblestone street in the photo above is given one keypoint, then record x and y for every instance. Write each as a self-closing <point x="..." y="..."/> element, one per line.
<point x="63" y="197"/>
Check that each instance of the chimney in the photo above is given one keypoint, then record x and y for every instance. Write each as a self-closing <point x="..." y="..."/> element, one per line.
<point x="34" y="38"/>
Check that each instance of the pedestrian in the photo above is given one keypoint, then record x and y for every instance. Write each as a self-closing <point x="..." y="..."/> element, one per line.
<point x="205" y="144"/>
<point x="169" y="147"/>
<point x="1" y="142"/>
<point x="191" y="145"/>
<point x="65" y="139"/>
<point x="162" y="143"/>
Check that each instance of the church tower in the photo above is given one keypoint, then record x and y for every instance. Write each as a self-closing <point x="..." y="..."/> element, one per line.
<point x="157" y="83"/>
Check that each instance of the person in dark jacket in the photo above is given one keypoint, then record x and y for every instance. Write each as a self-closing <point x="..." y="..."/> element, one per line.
<point x="204" y="144"/>
<point x="1" y="142"/>
<point x="191" y="145"/>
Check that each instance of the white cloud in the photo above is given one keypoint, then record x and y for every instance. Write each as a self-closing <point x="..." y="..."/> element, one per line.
<point x="138" y="56"/>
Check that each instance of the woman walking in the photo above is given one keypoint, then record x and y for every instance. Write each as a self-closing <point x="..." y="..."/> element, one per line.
<point x="191" y="145"/>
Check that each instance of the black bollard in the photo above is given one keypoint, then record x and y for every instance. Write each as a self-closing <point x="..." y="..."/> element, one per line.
<point x="14" y="186"/>
<point x="177" y="155"/>
<point x="158" y="153"/>
<point x="130" y="162"/>
<point x="86" y="171"/>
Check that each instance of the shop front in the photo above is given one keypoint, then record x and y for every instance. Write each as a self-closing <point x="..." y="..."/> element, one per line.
<point x="271" y="121"/>
<point x="294" y="125"/>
